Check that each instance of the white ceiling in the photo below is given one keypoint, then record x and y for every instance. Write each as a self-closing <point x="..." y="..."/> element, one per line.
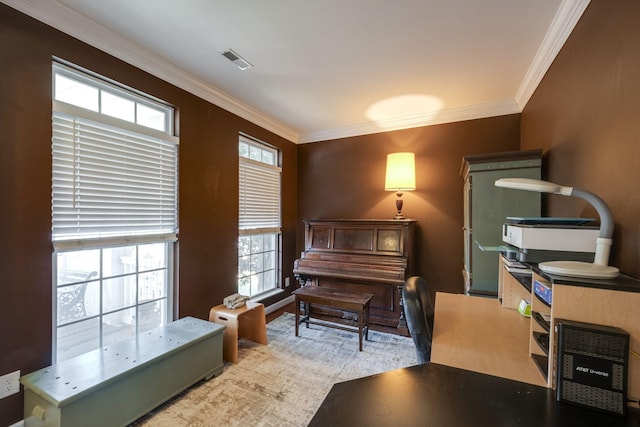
<point x="326" y="69"/>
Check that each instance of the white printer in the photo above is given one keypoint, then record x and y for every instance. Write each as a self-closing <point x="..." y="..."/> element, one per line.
<point x="551" y="239"/>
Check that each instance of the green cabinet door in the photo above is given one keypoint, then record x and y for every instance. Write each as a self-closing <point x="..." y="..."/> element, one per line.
<point x="487" y="207"/>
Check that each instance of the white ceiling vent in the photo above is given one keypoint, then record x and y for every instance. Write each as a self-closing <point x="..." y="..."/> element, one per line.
<point x="240" y="62"/>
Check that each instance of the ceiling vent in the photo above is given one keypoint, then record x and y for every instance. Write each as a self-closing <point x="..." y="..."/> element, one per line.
<point x="240" y="62"/>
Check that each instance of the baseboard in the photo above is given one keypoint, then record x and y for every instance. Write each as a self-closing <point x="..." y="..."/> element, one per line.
<point x="280" y="304"/>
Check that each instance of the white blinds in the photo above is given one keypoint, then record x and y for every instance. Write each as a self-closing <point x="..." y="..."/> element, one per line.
<point x="109" y="181"/>
<point x="259" y="196"/>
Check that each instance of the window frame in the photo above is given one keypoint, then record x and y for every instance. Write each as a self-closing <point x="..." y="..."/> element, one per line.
<point x="102" y="83"/>
<point x="124" y="240"/>
<point x="269" y="224"/>
<point x="99" y="284"/>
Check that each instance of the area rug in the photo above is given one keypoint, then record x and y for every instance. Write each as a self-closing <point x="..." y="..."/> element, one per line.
<point x="282" y="383"/>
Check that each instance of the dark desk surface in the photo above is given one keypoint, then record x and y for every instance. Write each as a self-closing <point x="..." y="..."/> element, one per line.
<point x="438" y="395"/>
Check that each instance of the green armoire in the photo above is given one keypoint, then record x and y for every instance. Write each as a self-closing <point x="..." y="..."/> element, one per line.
<point x="486" y="208"/>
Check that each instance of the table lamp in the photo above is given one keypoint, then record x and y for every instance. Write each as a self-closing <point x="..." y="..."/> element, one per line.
<point x="401" y="176"/>
<point x="599" y="268"/>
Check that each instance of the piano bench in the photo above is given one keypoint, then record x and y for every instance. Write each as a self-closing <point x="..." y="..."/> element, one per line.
<point x="248" y="322"/>
<point x="353" y="302"/>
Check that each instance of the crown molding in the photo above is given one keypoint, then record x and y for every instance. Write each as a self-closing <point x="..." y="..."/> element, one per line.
<point x="563" y="23"/>
<point x="448" y="115"/>
<point x="76" y="25"/>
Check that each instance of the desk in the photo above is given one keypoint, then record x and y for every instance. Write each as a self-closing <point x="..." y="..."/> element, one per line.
<point x="477" y="334"/>
<point x="438" y="395"/>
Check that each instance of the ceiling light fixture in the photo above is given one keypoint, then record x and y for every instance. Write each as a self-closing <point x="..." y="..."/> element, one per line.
<point x="240" y="62"/>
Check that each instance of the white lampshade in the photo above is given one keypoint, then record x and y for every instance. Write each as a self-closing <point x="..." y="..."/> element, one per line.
<point x="401" y="172"/>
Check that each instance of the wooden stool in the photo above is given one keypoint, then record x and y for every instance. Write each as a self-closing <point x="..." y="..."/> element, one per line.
<point x="247" y="322"/>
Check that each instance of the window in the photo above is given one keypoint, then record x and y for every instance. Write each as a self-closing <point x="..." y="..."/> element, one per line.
<point x="260" y="225"/>
<point x="114" y="211"/>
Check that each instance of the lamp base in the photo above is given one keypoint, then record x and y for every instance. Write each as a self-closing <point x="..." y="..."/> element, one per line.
<point x="399" y="206"/>
<point x="579" y="269"/>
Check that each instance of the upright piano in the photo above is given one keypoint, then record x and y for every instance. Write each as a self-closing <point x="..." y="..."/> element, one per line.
<point x="360" y="255"/>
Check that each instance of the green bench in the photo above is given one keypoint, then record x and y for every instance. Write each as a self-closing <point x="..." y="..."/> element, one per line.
<point x="118" y="383"/>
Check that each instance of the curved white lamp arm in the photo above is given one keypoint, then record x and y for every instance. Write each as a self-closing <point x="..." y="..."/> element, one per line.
<point x="606" y="219"/>
<point x="604" y="240"/>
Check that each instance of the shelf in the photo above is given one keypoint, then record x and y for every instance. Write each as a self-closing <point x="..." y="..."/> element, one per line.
<point x="566" y="293"/>
<point x="543" y="341"/>
<point x="542" y="301"/>
<point x="524" y="279"/>
<point x="544" y="324"/>
<point x="542" y="362"/>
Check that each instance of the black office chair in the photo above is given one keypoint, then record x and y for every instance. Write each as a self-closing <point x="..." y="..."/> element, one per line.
<point x="418" y="311"/>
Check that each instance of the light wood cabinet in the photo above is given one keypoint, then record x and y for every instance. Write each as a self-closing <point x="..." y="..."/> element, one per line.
<point x="486" y="208"/>
<point x="614" y="302"/>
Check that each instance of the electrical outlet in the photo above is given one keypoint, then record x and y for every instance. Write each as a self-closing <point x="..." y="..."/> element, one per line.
<point x="286" y="282"/>
<point x="9" y="384"/>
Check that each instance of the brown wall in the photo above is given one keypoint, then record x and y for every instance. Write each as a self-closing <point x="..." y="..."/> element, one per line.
<point x="585" y="115"/>
<point x="207" y="184"/>
<point x="345" y="179"/>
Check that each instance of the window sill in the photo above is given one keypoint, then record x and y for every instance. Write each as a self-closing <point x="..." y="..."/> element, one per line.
<point x="266" y="295"/>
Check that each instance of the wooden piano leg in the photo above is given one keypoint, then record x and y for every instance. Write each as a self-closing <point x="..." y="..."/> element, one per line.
<point x="297" y="315"/>
<point x="366" y="322"/>
<point x="402" y="322"/>
<point x="307" y="313"/>
<point x="360" y="327"/>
